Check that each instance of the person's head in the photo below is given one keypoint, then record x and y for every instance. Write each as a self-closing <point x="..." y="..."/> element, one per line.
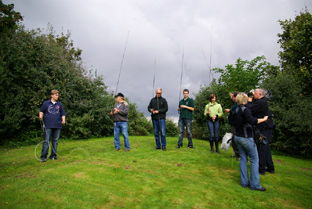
<point x="119" y="97"/>
<point x="259" y="93"/>
<point x="54" y="94"/>
<point x="212" y="98"/>
<point x="241" y="99"/>
<point x="158" y="92"/>
<point x="186" y="93"/>
<point x="235" y="93"/>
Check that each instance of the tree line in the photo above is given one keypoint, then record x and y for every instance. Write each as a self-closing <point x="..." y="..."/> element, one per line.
<point x="32" y="62"/>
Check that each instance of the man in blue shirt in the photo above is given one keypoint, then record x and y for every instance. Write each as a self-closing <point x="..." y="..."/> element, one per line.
<point x="53" y="114"/>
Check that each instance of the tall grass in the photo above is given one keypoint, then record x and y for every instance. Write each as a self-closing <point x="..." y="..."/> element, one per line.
<point x="91" y="174"/>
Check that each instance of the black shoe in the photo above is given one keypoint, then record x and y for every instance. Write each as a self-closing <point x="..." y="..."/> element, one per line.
<point x="262" y="189"/>
<point x="271" y="172"/>
<point x="191" y="146"/>
<point x="156" y="148"/>
<point x="43" y="160"/>
<point x="262" y="174"/>
<point x="179" y="146"/>
<point x="53" y="158"/>
<point x="164" y="149"/>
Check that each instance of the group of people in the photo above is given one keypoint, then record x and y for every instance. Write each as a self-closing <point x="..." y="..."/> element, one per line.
<point x="247" y="118"/>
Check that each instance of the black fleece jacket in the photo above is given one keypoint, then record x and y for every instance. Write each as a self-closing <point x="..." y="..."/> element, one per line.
<point x="159" y="104"/>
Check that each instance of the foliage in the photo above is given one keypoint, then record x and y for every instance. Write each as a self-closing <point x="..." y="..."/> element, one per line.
<point x="138" y="124"/>
<point x="8" y="18"/>
<point x="245" y="75"/>
<point x="296" y="42"/>
<point x="293" y="126"/>
<point x="171" y="128"/>
<point x="242" y="77"/>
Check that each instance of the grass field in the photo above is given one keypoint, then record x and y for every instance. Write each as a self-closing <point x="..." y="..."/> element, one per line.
<point x="91" y="174"/>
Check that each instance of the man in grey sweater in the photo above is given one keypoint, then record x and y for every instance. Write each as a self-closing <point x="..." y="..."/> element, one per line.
<point x="120" y="115"/>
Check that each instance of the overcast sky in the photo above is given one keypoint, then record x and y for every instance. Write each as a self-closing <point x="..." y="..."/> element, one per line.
<point x="161" y="30"/>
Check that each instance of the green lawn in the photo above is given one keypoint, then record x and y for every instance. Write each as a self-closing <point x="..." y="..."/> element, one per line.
<point x="91" y="174"/>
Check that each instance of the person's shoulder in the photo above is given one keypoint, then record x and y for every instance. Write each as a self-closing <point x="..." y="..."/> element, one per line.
<point x="125" y="103"/>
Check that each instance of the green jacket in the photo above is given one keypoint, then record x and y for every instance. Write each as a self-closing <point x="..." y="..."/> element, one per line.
<point x="185" y="113"/>
<point x="214" y="109"/>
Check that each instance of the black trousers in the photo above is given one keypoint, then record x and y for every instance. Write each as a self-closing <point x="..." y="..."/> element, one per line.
<point x="265" y="156"/>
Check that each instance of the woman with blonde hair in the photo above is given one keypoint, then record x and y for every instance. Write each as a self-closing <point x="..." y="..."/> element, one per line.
<point x="246" y="144"/>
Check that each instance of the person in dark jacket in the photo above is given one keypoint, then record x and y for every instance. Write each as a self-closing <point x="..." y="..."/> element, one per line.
<point x="231" y="119"/>
<point x="246" y="145"/>
<point x="158" y="107"/>
<point x="259" y="109"/>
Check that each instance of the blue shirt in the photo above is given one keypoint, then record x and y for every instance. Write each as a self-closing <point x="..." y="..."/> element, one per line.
<point x="52" y="114"/>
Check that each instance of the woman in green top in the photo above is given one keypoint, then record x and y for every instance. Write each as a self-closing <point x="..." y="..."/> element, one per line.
<point x="213" y="111"/>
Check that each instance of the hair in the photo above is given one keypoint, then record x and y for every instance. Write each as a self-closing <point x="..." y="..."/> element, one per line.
<point x="159" y="89"/>
<point x="186" y="90"/>
<point x="262" y="92"/>
<point x="241" y="99"/>
<point x="212" y="96"/>
<point x="54" y="91"/>
<point x="235" y="93"/>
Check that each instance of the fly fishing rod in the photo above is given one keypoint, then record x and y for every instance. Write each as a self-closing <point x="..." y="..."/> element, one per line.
<point x="122" y="59"/>
<point x="181" y="78"/>
<point x="154" y="78"/>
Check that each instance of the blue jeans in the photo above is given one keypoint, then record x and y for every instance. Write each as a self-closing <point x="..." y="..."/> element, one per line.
<point x="123" y="127"/>
<point x="247" y="147"/>
<point x="188" y="124"/>
<point x="54" y="134"/>
<point x="213" y="130"/>
<point x="160" y="126"/>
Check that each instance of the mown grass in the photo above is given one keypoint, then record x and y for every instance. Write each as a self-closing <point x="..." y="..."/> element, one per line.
<point x="90" y="174"/>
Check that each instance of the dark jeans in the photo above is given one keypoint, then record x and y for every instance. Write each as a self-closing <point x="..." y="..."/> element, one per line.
<point x="50" y="133"/>
<point x="188" y="124"/>
<point x="160" y="126"/>
<point x="213" y="130"/>
<point x="265" y="156"/>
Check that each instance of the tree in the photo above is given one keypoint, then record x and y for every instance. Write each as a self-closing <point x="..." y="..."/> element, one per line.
<point x="8" y="18"/>
<point x="296" y="42"/>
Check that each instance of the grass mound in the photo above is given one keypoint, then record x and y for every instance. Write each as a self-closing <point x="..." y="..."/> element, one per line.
<point x="91" y="174"/>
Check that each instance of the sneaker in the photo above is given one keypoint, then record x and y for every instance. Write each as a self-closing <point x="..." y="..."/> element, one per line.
<point x="164" y="149"/>
<point x="117" y="149"/>
<point x="43" y="160"/>
<point x="127" y="150"/>
<point x="179" y="146"/>
<point x="191" y="147"/>
<point x="156" y="148"/>
<point x="53" y="158"/>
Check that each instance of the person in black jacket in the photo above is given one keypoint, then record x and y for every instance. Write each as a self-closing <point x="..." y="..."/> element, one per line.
<point x="158" y="106"/>
<point x="246" y="145"/>
<point x="231" y="119"/>
<point x="259" y="109"/>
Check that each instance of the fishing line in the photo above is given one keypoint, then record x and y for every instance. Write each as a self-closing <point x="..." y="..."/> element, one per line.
<point x="45" y="132"/>
<point x="123" y="56"/>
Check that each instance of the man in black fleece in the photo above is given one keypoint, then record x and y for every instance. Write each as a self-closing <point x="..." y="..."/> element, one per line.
<point x="259" y="109"/>
<point x="158" y="106"/>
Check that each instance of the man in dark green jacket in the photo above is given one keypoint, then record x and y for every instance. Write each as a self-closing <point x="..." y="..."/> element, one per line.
<point x="186" y="108"/>
<point x="158" y="106"/>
